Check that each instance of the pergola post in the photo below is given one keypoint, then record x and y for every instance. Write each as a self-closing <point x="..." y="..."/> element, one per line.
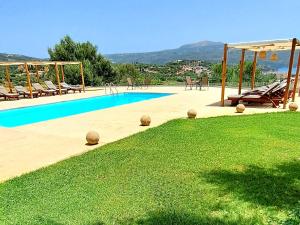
<point x="28" y="80"/>
<point x="82" y="76"/>
<point x="57" y="78"/>
<point x="253" y="71"/>
<point x="224" y="69"/>
<point x="37" y="73"/>
<point x="296" y="79"/>
<point x="287" y="89"/>
<point x="8" y="78"/>
<point x="241" y="71"/>
<point x="62" y="73"/>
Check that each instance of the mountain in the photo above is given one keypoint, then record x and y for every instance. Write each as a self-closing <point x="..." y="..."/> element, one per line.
<point x="15" y="57"/>
<point x="203" y="50"/>
<point x="197" y="50"/>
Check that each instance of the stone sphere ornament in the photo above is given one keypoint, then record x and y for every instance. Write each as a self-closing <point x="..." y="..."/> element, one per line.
<point x="145" y="120"/>
<point x="293" y="106"/>
<point x="92" y="137"/>
<point x="240" y="108"/>
<point x="191" y="113"/>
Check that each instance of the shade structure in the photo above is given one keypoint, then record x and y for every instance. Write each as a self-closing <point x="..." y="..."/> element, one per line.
<point x="25" y="65"/>
<point x="268" y="45"/>
<point x="261" y="46"/>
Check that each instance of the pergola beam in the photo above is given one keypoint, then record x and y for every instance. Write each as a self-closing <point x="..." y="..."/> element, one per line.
<point x="28" y="80"/>
<point x="39" y="63"/>
<point x="224" y="69"/>
<point x="253" y="70"/>
<point x="62" y="73"/>
<point x="8" y="78"/>
<point x="57" y="78"/>
<point x="242" y="61"/>
<point x="44" y="63"/>
<point x="296" y="79"/>
<point x="37" y="72"/>
<point x="82" y="76"/>
<point x="268" y="45"/>
<point x="287" y="89"/>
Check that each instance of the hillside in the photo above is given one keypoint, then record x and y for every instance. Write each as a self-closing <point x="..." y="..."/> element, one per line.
<point x="15" y="57"/>
<point x="203" y="50"/>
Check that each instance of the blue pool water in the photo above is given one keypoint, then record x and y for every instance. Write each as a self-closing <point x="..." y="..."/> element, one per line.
<point x="34" y="114"/>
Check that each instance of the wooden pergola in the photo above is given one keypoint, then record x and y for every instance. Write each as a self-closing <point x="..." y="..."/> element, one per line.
<point x="36" y="64"/>
<point x="262" y="46"/>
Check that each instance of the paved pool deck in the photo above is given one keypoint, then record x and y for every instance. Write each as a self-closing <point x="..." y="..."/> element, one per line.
<point x="30" y="147"/>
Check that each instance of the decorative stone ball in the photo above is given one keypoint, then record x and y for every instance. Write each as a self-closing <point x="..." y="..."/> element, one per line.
<point x="240" y="108"/>
<point x="192" y="113"/>
<point x="145" y="120"/>
<point x="293" y="106"/>
<point x="92" y="138"/>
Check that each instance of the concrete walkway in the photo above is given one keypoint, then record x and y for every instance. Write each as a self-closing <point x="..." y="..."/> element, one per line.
<point x="30" y="147"/>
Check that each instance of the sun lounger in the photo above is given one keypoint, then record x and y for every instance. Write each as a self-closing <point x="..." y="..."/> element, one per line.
<point x="279" y="91"/>
<point x="259" y="89"/>
<point x="4" y="93"/>
<point x="23" y="91"/>
<point x="262" y="99"/>
<point x="38" y="87"/>
<point x="70" y="87"/>
<point x="51" y="86"/>
<point x="265" y="96"/>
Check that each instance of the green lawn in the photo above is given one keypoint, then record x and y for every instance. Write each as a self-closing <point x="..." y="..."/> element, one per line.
<point x="224" y="170"/>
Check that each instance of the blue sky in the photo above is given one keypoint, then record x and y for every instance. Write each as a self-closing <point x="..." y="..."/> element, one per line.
<point x="30" y="27"/>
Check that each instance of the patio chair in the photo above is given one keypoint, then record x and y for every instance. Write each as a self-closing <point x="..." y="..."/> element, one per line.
<point x="70" y="87"/>
<point x="189" y="83"/>
<point x="4" y="93"/>
<point x="38" y="87"/>
<point x="23" y="91"/>
<point x="202" y="82"/>
<point x="51" y="86"/>
<point x="130" y="83"/>
<point x="147" y="82"/>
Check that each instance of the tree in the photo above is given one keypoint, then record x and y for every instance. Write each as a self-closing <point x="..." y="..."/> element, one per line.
<point x="127" y="70"/>
<point x="216" y="71"/>
<point x="96" y="67"/>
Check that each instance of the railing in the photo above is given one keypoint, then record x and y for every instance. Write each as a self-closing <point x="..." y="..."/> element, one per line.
<point x="111" y="87"/>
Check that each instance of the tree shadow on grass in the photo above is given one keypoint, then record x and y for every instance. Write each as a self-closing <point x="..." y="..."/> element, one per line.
<point x="166" y="217"/>
<point x="178" y="218"/>
<point x="275" y="187"/>
<point x="47" y="221"/>
<point x="169" y="217"/>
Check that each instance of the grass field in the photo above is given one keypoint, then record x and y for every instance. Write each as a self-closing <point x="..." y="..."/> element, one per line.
<point x="224" y="170"/>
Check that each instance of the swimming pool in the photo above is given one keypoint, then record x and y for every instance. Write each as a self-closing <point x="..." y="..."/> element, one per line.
<point x="33" y="114"/>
